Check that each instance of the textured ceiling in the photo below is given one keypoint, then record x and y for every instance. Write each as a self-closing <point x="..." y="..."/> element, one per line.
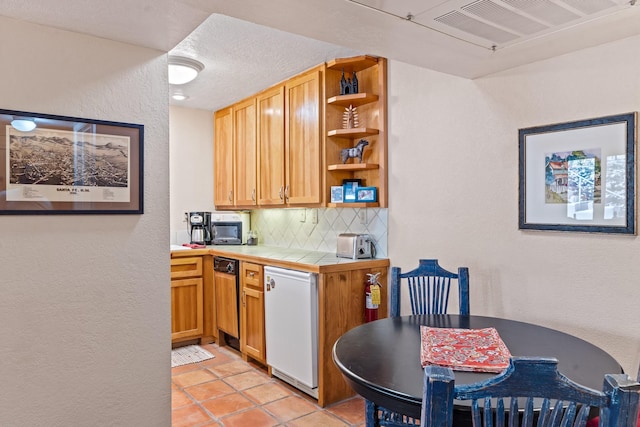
<point x="241" y="59"/>
<point x="247" y="45"/>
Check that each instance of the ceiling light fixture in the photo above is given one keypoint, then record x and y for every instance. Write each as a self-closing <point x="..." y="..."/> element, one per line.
<point x="179" y="97"/>
<point x="23" y="124"/>
<point x="182" y="70"/>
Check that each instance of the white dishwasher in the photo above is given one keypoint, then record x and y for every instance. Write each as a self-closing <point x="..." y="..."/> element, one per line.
<point x="291" y="327"/>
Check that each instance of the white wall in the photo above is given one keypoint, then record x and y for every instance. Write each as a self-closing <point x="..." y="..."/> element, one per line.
<point x="85" y="304"/>
<point x="456" y="142"/>
<point x="191" y="166"/>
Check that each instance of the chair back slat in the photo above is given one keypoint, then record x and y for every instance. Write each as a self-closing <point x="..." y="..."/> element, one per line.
<point x="562" y="402"/>
<point x="429" y="286"/>
<point x="513" y="412"/>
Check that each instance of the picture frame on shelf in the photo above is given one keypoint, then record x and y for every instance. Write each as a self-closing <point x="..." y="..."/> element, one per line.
<point x="349" y="191"/>
<point x="337" y="194"/>
<point x="579" y="176"/>
<point x="366" y="194"/>
<point x="53" y="164"/>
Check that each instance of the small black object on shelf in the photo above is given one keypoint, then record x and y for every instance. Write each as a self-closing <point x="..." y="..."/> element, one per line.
<point x="348" y="86"/>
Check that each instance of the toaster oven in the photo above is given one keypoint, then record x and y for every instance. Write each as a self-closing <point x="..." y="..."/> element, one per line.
<point x="355" y="246"/>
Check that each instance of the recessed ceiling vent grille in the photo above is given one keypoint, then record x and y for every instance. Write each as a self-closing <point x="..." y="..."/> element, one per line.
<point x="507" y="18"/>
<point x="468" y="24"/>
<point x="497" y="23"/>
<point x="544" y="11"/>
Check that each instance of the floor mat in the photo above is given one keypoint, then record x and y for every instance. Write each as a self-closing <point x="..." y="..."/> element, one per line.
<point x="189" y="354"/>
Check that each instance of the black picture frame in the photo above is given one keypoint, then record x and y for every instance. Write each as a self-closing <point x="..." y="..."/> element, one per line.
<point x="69" y="165"/>
<point x="579" y="176"/>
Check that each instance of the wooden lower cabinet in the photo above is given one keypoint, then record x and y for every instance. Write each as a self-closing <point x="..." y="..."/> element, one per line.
<point x="192" y="300"/>
<point x="186" y="298"/>
<point x="186" y="309"/>
<point x="252" y="334"/>
<point x="198" y="308"/>
<point x="341" y="308"/>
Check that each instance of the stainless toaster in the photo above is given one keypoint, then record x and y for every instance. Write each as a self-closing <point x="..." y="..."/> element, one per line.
<point x="355" y="246"/>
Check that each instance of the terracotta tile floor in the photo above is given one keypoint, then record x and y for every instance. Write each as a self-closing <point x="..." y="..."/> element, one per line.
<point x="227" y="391"/>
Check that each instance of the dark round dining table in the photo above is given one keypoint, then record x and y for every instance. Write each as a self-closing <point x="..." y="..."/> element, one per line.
<point x="380" y="360"/>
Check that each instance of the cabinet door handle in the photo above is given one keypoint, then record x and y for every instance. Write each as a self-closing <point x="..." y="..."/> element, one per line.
<point x="231" y="195"/>
<point x="280" y="194"/>
<point x="253" y="196"/>
<point x="286" y="193"/>
<point x="251" y="274"/>
<point x="244" y="293"/>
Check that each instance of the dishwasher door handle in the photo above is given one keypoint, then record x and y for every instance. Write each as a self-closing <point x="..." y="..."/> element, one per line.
<point x="271" y="284"/>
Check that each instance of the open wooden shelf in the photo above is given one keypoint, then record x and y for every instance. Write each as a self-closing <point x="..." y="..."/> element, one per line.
<point x="355" y="99"/>
<point x="354" y="205"/>
<point x="370" y="99"/>
<point x="350" y="65"/>
<point x="353" y="132"/>
<point x="353" y="166"/>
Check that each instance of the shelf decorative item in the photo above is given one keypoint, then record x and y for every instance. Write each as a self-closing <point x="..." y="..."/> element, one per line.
<point x="337" y="194"/>
<point x="354" y="152"/>
<point x="366" y="194"/>
<point x="350" y="118"/>
<point x="349" y="192"/>
<point x="348" y="86"/>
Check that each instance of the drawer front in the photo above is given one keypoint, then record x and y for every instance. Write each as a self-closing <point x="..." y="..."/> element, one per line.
<point x="252" y="275"/>
<point x="186" y="267"/>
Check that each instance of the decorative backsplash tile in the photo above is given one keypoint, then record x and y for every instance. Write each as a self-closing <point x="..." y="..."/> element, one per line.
<point x="294" y="228"/>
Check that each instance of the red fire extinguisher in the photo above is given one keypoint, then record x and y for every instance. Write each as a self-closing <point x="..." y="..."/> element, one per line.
<point x="371" y="298"/>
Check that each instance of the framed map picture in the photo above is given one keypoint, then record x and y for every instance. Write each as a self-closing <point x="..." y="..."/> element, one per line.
<point x="66" y="165"/>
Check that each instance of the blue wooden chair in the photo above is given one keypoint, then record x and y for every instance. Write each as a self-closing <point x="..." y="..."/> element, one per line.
<point x="594" y="422"/>
<point x="429" y="286"/>
<point x="508" y="399"/>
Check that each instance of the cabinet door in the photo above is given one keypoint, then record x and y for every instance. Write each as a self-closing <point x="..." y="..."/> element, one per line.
<point x="303" y="139"/>
<point x="223" y="158"/>
<point x="186" y="308"/>
<point x="270" y="110"/>
<point x="252" y="336"/>
<point x="244" y="131"/>
<point x="226" y="302"/>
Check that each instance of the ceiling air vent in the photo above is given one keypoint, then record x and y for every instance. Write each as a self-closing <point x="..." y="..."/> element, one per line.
<point x="497" y="24"/>
<point x="468" y="24"/>
<point x="505" y="17"/>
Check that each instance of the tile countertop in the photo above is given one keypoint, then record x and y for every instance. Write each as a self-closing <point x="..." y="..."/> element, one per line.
<point x="301" y="259"/>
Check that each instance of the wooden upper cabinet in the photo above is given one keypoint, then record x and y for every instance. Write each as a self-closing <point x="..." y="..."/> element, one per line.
<point x="223" y="158"/>
<point x="303" y="157"/>
<point x="246" y="149"/>
<point x="271" y="178"/>
<point x="283" y="147"/>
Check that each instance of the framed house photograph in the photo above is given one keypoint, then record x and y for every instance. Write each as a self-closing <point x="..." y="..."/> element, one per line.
<point x="66" y="165"/>
<point x="579" y="176"/>
<point x="366" y="194"/>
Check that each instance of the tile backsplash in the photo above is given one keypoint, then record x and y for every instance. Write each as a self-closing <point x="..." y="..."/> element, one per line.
<point x="297" y="228"/>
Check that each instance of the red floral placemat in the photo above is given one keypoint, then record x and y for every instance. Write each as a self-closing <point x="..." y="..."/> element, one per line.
<point x="480" y="350"/>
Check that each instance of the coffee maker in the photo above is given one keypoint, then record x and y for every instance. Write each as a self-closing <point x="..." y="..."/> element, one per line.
<point x="199" y="227"/>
